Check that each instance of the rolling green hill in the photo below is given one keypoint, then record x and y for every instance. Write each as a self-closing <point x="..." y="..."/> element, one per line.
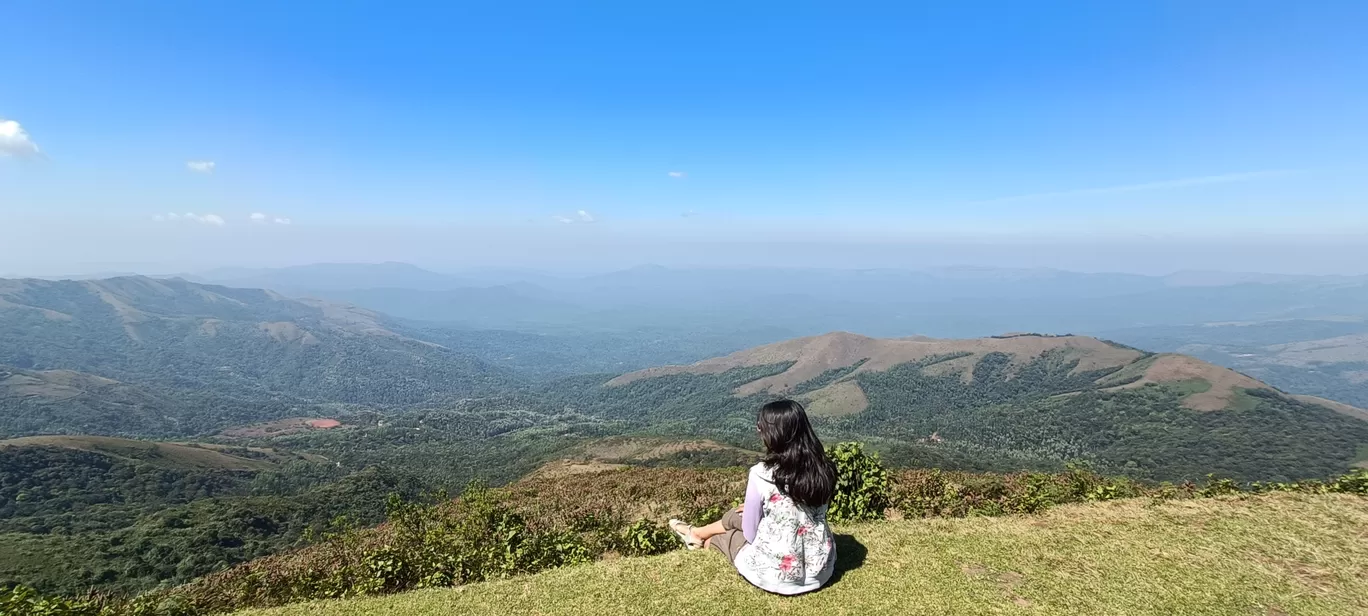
<point x="68" y="402"/>
<point x="172" y="337"/>
<point x="1277" y="554"/>
<point x="1017" y="400"/>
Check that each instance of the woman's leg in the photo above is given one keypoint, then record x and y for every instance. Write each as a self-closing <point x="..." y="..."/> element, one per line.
<point x="731" y="520"/>
<point x="705" y="533"/>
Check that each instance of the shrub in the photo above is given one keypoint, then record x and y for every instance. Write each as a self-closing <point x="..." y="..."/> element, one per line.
<point x="645" y="538"/>
<point x="424" y="545"/>
<point x="863" y="487"/>
<point x="1353" y="482"/>
<point x="1218" y="487"/>
<point x="25" y="601"/>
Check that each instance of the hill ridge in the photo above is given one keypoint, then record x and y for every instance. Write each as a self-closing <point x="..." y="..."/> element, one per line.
<point x="813" y="356"/>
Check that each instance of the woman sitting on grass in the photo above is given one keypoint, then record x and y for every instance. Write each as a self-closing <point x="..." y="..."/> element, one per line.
<point x="779" y="539"/>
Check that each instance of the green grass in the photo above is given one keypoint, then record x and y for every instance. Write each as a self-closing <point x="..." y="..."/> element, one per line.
<point x="1264" y="555"/>
<point x="1241" y="401"/>
<point x="1188" y="387"/>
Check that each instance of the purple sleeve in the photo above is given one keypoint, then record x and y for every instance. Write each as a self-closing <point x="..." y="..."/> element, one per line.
<point x="750" y="518"/>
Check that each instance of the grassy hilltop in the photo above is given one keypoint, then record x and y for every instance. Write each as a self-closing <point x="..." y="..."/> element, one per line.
<point x="1275" y="554"/>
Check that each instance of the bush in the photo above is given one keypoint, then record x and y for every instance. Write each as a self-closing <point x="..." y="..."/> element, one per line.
<point x="1218" y="487"/>
<point x="863" y="487"/>
<point x="24" y="601"/>
<point x="424" y="545"/>
<point x="1354" y="482"/>
<point x="645" y="538"/>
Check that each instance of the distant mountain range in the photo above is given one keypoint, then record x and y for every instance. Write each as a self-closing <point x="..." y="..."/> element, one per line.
<point x="1237" y="320"/>
<point x="132" y="356"/>
<point x="952" y="302"/>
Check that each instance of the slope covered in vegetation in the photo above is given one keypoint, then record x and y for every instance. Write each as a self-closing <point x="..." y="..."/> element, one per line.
<point x="550" y="522"/>
<point x="1272" y="554"/>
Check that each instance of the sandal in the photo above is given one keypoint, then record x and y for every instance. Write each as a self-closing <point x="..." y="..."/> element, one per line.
<point x="685" y="534"/>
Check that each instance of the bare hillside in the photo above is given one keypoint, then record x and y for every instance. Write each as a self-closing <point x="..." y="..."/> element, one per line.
<point x="1210" y="387"/>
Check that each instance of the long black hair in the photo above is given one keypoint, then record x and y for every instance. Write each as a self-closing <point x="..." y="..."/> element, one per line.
<point x="795" y="455"/>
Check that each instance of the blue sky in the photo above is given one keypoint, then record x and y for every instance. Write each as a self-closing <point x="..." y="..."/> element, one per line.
<point x="450" y="130"/>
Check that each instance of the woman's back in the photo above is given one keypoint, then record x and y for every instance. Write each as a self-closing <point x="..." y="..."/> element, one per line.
<point x="794" y="550"/>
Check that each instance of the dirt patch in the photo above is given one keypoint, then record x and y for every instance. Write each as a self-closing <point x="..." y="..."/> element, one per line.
<point x="282" y="427"/>
<point x="1008" y="581"/>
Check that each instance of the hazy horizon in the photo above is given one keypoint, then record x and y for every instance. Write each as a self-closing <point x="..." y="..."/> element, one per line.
<point x="42" y="255"/>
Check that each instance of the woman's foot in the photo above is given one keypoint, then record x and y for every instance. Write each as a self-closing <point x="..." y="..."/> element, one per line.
<point x="685" y="533"/>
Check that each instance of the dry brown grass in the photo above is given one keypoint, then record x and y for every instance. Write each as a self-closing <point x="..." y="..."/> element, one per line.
<point x="817" y="354"/>
<point x="837" y="399"/>
<point x="1225" y="383"/>
<point x="170" y="455"/>
<point x="624" y="494"/>
<point x="281" y="427"/>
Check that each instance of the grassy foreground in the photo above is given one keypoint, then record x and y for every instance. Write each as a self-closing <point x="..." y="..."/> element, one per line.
<point x="1266" y="555"/>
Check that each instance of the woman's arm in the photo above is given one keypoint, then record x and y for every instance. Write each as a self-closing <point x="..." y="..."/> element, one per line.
<point x="753" y="509"/>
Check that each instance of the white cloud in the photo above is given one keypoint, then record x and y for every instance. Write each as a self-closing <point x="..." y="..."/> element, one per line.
<point x="689" y="214"/>
<point x="1166" y="184"/>
<point x="677" y="174"/>
<point x="201" y="166"/>
<point x="580" y="217"/>
<point x="204" y="219"/>
<point x="14" y="141"/>
<point x="262" y="218"/>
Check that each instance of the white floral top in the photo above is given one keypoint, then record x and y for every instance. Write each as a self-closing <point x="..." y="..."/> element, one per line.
<point x="793" y="551"/>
